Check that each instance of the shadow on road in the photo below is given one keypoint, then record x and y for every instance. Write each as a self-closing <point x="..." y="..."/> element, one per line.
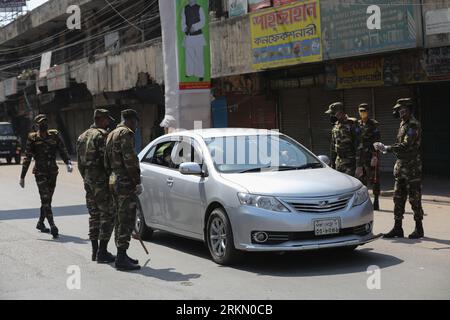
<point x="66" y="239"/>
<point x="291" y="264"/>
<point x="167" y="274"/>
<point x="424" y="239"/>
<point x="34" y="213"/>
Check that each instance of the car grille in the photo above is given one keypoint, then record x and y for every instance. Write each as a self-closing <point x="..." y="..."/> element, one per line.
<point x="280" y="237"/>
<point x="319" y="205"/>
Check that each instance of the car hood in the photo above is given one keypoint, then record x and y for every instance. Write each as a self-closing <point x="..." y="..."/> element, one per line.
<point x="296" y="183"/>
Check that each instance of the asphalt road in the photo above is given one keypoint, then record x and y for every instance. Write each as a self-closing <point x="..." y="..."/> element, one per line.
<point x="33" y="266"/>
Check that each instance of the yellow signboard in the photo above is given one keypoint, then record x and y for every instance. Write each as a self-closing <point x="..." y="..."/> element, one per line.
<point x="360" y="73"/>
<point x="286" y="35"/>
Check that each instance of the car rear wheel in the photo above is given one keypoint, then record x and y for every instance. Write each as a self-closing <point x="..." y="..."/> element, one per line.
<point x="144" y="231"/>
<point x="219" y="237"/>
<point x="8" y="160"/>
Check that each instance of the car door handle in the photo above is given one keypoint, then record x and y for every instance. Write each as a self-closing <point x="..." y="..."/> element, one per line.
<point x="169" y="182"/>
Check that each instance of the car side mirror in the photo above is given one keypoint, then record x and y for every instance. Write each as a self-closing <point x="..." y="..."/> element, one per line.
<point x="191" y="169"/>
<point x="325" y="159"/>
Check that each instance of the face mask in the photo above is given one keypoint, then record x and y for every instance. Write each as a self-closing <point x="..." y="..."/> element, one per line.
<point x="364" y="115"/>
<point x="43" y="127"/>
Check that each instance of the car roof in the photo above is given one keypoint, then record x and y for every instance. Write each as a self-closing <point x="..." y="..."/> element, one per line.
<point x="223" y="132"/>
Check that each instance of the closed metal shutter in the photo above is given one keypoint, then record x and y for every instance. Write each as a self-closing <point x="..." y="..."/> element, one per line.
<point x="435" y="113"/>
<point x="354" y="97"/>
<point x="385" y="99"/>
<point x="320" y="122"/>
<point x="294" y="115"/>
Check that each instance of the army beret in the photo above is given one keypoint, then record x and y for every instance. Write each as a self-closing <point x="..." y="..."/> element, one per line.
<point x="98" y="113"/>
<point x="403" y="102"/>
<point x="363" y="107"/>
<point x="130" y="113"/>
<point x="40" y="118"/>
<point x="335" y="107"/>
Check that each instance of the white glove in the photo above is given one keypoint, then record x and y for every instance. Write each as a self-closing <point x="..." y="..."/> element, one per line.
<point x="380" y="147"/>
<point x="69" y="167"/>
<point x="139" y="189"/>
<point x="22" y="183"/>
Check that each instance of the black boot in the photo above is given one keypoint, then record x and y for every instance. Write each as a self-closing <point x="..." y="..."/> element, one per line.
<point x="418" y="231"/>
<point x="376" y="203"/>
<point x="122" y="262"/>
<point x="54" y="231"/>
<point x="94" y="249"/>
<point x="103" y="256"/>
<point x="41" y="227"/>
<point x="396" y="232"/>
<point x="133" y="261"/>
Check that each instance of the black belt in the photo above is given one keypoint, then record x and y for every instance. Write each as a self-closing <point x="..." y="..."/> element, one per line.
<point x="195" y="33"/>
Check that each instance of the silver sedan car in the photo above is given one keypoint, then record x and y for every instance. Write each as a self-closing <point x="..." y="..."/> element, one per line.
<point x="249" y="190"/>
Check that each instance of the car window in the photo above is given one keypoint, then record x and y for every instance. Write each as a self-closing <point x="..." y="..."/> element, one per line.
<point x="186" y="150"/>
<point x="6" y="130"/>
<point x="162" y="154"/>
<point x="240" y="154"/>
<point x="148" y="158"/>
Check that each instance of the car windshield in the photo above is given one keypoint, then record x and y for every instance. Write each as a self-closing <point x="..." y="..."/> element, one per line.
<point x="6" y="130"/>
<point x="257" y="153"/>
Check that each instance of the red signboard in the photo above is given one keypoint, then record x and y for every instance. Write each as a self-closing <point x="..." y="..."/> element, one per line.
<point x="277" y="3"/>
<point x="258" y="4"/>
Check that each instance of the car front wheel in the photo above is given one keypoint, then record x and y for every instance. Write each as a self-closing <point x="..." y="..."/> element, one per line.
<point x="219" y="237"/>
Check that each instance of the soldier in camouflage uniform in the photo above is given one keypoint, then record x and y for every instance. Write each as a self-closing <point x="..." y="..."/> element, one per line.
<point x="42" y="146"/>
<point x="125" y="181"/>
<point x="407" y="170"/>
<point x="369" y="133"/>
<point x="344" y="140"/>
<point x="91" y="157"/>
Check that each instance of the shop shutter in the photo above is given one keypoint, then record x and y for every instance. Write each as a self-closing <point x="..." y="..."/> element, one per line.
<point x="385" y="99"/>
<point x="435" y="114"/>
<point x="320" y="122"/>
<point x="294" y="115"/>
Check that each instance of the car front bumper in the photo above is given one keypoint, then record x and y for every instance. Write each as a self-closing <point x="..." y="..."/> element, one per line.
<point x="245" y="220"/>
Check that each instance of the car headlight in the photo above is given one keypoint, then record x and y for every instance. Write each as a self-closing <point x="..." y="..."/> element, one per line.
<point x="263" y="202"/>
<point x="361" y="196"/>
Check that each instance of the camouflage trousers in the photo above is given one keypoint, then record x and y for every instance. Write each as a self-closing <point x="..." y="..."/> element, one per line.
<point x="346" y="165"/>
<point x="125" y="201"/>
<point x="408" y="183"/>
<point x="101" y="210"/>
<point x="46" y="184"/>
<point x="371" y="176"/>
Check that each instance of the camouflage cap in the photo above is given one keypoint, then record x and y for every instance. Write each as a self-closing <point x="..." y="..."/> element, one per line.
<point x="335" y="107"/>
<point x="40" y="118"/>
<point x="363" y="107"/>
<point x="129" y="114"/>
<point x="99" y="113"/>
<point x="403" y="102"/>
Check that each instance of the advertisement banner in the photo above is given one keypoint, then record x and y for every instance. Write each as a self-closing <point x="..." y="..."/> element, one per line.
<point x="437" y="21"/>
<point x="360" y="73"/>
<point x="345" y="30"/>
<point x="237" y="8"/>
<point x="437" y="63"/>
<point x="255" y="5"/>
<point x="194" y="56"/>
<point x="286" y="35"/>
<point x="277" y="3"/>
